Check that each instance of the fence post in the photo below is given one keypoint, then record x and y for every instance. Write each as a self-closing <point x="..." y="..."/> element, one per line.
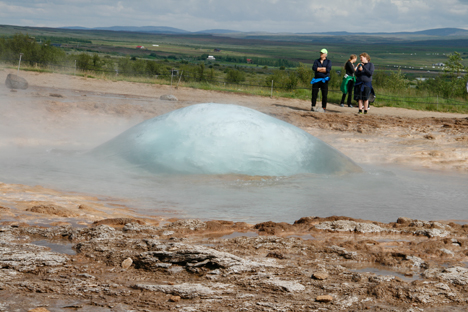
<point x="180" y="77"/>
<point x="271" y="93"/>
<point x="21" y="54"/>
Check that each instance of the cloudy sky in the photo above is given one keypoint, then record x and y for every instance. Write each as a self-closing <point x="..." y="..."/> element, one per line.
<point x="242" y="15"/>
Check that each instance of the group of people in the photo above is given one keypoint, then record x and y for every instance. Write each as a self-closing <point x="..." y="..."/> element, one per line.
<point x="357" y="78"/>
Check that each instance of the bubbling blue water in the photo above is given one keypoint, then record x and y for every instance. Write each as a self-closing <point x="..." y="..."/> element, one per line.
<point x="224" y="139"/>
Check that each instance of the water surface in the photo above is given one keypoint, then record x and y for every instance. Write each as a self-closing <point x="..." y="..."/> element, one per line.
<point x="379" y="193"/>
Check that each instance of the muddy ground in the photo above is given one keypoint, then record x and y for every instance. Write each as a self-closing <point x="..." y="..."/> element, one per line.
<point x="316" y="264"/>
<point x="92" y="256"/>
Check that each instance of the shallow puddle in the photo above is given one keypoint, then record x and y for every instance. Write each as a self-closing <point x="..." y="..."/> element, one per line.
<point x="387" y="240"/>
<point x="239" y="234"/>
<point x="65" y="248"/>
<point x="384" y="271"/>
<point x="304" y="237"/>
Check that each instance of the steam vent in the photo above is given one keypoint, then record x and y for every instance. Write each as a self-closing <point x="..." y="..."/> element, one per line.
<point x="224" y="139"/>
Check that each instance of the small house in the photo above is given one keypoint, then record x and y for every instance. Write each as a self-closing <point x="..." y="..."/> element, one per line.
<point x="140" y="47"/>
<point x="249" y="61"/>
<point x="217" y="50"/>
<point x="211" y="58"/>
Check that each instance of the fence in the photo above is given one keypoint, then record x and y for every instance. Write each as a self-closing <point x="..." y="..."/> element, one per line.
<point x="426" y="100"/>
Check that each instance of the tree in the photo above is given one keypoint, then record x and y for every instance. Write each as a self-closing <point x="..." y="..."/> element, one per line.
<point x="235" y="76"/>
<point x="97" y="64"/>
<point x="291" y="82"/>
<point x="84" y="61"/>
<point x="304" y="74"/>
<point x="454" y="64"/>
<point x="201" y="72"/>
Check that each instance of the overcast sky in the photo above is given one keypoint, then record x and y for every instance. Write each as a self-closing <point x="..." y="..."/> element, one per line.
<point x="242" y="15"/>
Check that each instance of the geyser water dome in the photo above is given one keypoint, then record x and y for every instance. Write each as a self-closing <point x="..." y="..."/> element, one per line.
<point x="224" y="139"/>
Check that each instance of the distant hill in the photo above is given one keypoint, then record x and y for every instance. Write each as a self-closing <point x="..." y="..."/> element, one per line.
<point x="438" y="32"/>
<point x="217" y="31"/>
<point x="142" y="29"/>
<point x="443" y="32"/>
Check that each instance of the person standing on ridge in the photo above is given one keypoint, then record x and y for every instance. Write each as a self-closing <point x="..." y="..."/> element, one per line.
<point x="322" y="67"/>
<point x="363" y="87"/>
<point x="347" y="84"/>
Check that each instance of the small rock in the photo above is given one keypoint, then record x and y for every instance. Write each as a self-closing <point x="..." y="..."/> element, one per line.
<point x="432" y="233"/>
<point x="276" y="255"/>
<point x="127" y="263"/>
<point x="175" y="270"/>
<point x="86" y="275"/>
<point x="56" y="95"/>
<point x="356" y="277"/>
<point x="168" y="97"/>
<point x="404" y="220"/>
<point x="39" y="310"/>
<point x="326" y="298"/>
<point x="320" y="276"/>
<point x="289" y="286"/>
<point x="429" y="137"/>
<point x="447" y="252"/>
<point x="174" y="299"/>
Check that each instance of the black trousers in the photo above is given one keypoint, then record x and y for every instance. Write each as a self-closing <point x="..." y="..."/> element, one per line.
<point x="323" y="86"/>
<point x="350" y="93"/>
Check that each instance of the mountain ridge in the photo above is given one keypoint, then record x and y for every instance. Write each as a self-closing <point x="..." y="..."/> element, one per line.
<point x="171" y="30"/>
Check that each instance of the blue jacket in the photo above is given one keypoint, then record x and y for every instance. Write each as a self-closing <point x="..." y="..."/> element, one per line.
<point x="326" y="63"/>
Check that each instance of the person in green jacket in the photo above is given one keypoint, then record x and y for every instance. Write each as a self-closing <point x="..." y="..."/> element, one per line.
<point x="347" y="84"/>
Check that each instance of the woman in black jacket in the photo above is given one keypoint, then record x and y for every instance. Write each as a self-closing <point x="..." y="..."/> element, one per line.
<point x="363" y="87"/>
<point x="349" y="80"/>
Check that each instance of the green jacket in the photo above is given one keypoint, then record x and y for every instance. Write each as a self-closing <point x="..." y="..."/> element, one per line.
<point x="344" y="83"/>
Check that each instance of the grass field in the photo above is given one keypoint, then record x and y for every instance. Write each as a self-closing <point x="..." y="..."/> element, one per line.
<point x="385" y="52"/>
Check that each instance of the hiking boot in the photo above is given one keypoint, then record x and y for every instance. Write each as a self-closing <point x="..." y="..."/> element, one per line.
<point x="350" y="106"/>
<point x="342" y="105"/>
<point x="365" y="112"/>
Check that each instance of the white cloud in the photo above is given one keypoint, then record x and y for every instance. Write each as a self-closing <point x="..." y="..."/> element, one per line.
<point x="244" y="15"/>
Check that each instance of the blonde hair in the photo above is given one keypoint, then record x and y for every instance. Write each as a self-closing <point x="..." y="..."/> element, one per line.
<point x="365" y="55"/>
<point x="352" y="56"/>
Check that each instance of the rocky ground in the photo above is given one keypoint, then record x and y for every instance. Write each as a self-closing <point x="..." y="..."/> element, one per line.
<point x="315" y="264"/>
<point x="84" y="254"/>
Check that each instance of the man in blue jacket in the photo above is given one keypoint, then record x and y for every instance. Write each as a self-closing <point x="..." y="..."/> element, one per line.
<point x="322" y="68"/>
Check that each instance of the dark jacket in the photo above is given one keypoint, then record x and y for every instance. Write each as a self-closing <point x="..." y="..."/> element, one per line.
<point x="366" y="74"/>
<point x="349" y="68"/>
<point x="317" y="64"/>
